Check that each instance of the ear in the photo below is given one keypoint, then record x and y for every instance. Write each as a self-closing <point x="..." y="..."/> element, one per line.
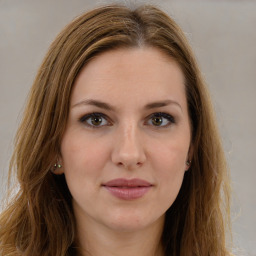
<point x="57" y="168"/>
<point x="189" y="157"/>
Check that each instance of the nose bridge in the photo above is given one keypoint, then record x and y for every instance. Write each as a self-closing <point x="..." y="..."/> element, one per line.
<point x="129" y="149"/>
<point x="129" y="132"/>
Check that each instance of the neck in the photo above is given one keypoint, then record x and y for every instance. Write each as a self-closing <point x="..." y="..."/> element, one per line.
<point x="100" y="240"/>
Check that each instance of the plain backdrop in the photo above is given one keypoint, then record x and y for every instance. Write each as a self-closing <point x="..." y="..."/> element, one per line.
<point x="223" y="36"/>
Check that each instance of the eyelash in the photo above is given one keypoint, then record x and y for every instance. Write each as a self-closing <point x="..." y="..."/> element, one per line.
<point x="85" y="118"/>
<point x="166" y="116"/>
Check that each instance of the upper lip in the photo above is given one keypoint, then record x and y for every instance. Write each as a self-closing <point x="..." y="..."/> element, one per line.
<point x="127" y="183"/>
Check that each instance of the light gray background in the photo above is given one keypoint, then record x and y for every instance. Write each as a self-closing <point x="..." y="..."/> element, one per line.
<point x="223" y="36"/>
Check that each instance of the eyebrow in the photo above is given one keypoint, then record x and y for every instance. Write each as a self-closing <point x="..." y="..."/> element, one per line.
<point x="96" y="103"/>
<point x="106" y="106"/>
<point x="164" y="103"/>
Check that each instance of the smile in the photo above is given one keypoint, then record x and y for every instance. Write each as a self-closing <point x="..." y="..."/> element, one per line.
<point x="128" y="189"/>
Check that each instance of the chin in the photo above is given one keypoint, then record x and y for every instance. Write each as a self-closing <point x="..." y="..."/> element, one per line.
<point x="133" y="222"/>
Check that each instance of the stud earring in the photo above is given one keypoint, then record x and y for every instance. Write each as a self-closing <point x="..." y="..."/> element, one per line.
<point x="56" y="166"/>
<point x="188" y="162"/>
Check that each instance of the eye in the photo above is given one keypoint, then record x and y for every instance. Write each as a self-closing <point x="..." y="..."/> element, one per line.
<point x="161" y="119"/>
<point x="95" y="120"/>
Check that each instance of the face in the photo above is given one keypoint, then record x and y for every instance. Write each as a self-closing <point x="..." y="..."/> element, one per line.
<point x="127" y="139"/>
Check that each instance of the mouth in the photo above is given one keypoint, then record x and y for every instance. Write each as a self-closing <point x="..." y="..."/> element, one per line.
<point x="128" y="189"/>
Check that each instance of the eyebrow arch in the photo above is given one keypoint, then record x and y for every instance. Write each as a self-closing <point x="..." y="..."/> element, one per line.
<point x="107" y="106"/>
<point x="162" y="104"/>
<point x="96" y="103"/>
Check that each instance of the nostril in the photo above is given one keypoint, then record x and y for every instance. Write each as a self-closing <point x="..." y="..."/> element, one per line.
<point x="129" y="165"/>
<point x="125" y="156"/>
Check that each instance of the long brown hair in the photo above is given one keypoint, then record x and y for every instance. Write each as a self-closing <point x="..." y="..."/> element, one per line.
<point x="39" y="220"/>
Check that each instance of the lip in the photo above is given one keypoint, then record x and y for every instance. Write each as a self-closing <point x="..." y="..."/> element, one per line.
<point x="128" y="189"/>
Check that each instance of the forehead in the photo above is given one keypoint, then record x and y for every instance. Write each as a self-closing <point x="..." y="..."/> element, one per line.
<point x="137" y="73"/>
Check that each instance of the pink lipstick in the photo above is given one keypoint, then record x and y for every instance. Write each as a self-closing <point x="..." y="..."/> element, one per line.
<point x="128" y="189"/>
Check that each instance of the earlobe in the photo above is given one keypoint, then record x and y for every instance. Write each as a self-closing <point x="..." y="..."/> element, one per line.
<point x="188" y="163"/>
<point x="57" y="168"/>
<point x="190" y="156"/>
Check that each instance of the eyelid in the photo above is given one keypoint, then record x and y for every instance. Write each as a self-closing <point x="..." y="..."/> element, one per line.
<point x="85" y="117"/>
<point x="169" y="117"/>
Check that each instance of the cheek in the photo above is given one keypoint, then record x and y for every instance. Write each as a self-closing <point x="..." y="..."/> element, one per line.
<point x="170" y="165"/>
<point x="82" y="155"/>
<point x="173" y="168"/>
<point x="170" y="158"/>
<point x="83" y="163"/>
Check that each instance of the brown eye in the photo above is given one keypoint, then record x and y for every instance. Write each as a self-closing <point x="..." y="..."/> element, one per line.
<point x="96" y="121"/>
<point x="157" y="121"/>
<point x="161" y="119"/>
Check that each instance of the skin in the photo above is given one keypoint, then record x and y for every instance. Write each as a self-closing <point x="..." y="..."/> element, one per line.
<point x="127" y="143"/>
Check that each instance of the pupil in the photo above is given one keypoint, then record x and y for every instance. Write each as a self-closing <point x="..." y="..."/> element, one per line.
<point x="96" y="121"/>
<point x="157" y="121"/>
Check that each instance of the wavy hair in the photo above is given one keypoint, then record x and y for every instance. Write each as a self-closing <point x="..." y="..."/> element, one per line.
<point x="39" y="220"/>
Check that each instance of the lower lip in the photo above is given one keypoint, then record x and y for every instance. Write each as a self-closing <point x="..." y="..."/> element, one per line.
<point x="128" y="193"/>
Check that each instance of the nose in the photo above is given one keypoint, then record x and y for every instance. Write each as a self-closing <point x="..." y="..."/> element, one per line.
<point x="128" y="150"/>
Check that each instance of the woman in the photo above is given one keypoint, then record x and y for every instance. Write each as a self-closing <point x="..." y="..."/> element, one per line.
<point x="118" y="151"/>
